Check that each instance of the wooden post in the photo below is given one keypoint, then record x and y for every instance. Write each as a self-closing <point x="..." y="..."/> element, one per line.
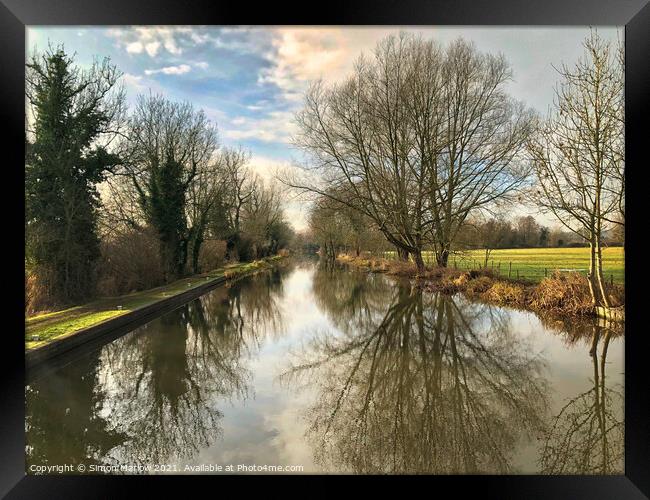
<point x="510" y="269"/>
<point x="517" y="273"/>
<point x="545" y="272"/>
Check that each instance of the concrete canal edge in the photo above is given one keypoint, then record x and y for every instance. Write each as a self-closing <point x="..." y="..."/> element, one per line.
<point x="39" y="355"/>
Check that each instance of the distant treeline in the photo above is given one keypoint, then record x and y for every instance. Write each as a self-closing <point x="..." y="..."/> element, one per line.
<point x="525" y="232"/>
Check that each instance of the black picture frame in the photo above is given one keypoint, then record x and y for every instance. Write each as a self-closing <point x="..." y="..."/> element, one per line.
<point x="15" y="15"/>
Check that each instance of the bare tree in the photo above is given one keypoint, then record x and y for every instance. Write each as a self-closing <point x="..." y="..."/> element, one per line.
<point x="578" y="153"/>
<point x="367" y="137"/>
<point x="491" y="234"/>
<point x="168" y="145"/>
<point x="262" y="211"/>
<point x="204" y="192"/>
<point x="331" y="229"/>
<point x="239" y="182"/>
<point x="417" y="138"/>
<point x="485" y="135"/>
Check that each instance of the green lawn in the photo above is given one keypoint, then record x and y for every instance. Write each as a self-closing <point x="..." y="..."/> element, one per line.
<point x="41" y="329"/>
<point x="535" y="263"/>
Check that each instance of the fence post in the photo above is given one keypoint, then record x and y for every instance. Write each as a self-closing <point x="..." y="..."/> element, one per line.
<point x="517" y="273"/>
<point x="545" y="272"/>
<point x="510" y="269"/>
<point x="611" y="280"/>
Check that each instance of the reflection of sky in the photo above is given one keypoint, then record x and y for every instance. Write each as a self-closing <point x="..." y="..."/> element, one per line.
<point x="268" y="428"/>
<point x="569" y="372"/>
<point x="269" y="425"/>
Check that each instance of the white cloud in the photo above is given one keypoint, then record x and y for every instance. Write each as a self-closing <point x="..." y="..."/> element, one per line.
<point x="150" y="39"/>
<point x="134" y="82"/>
<point x="170" y="70"/>
<point x="267" y="168"/>
<point x="139" y="84"/>
<point x="276" y="126"/>
<point x="134" y="47"/>
<point x="152" y="48"/>
<point x="202" y="65"/>
<point x="305" y="54"/>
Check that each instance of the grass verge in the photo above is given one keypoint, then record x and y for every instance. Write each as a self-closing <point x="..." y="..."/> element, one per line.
<point x="41" y="329"/>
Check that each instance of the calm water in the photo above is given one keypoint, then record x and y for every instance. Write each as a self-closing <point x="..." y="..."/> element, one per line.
<point x="338" y="371"/>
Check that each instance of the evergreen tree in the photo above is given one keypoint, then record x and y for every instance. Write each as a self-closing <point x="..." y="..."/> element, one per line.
<point x="73" y="111"/>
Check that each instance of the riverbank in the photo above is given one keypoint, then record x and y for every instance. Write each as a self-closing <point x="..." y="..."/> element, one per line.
<point x="43" y="329"/>
<point x="565" y="294"/>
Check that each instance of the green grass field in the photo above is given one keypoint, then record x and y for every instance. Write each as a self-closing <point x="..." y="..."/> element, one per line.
<point x="534" y="263"/>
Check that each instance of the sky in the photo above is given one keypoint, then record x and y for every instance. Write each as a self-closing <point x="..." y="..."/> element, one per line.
<point x="250" y="81"/>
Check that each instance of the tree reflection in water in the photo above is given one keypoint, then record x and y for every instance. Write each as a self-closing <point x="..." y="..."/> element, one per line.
<point x="416" y="382"/>
<point x="586" y="437"/>
<point x="153" y="396"/>
<point x="64" y="426"/>
<point x="401" y="381"/>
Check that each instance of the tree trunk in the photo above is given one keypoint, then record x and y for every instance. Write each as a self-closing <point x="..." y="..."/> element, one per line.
<point x="442" y="257"/>
<point x="591" y="277"/>
<point x="402" y="254"/>
<point x="598" y="253"/>
<point x="419" y="263"/>
<point x="196" y="252"/>
<point x="169" y="258"/>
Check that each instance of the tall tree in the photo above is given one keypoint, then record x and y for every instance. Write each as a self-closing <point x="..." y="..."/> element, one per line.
<point x="226" y="216"/>
<point x="372" y="138"/>
<point x="73" y="116"/>
<point x="417" y="138"/>
<point x="485" y="133"/>
<point x="204" y="195"/>
<point x="578" y="153"/>
<point x="169" y="144"/>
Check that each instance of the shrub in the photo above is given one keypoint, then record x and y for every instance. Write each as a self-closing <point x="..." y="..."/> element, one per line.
<point x="38" y="296"/>
<point x="563" y="292"/>
<point x="401" y="268"/>
<point x="130" y="261"/>
<point x="212" y="255"/>
<point x="504" y="292"/>
<point x="479" y="285"/>
<point x="616" y="295"/>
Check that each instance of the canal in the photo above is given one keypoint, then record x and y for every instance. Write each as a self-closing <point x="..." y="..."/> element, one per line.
<point x="316" y="368"/>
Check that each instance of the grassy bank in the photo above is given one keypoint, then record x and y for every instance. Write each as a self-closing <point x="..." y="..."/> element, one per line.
<point x="535" y="264"/>
<point x="562" y="293"/>
<point x="41" y="329"/>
